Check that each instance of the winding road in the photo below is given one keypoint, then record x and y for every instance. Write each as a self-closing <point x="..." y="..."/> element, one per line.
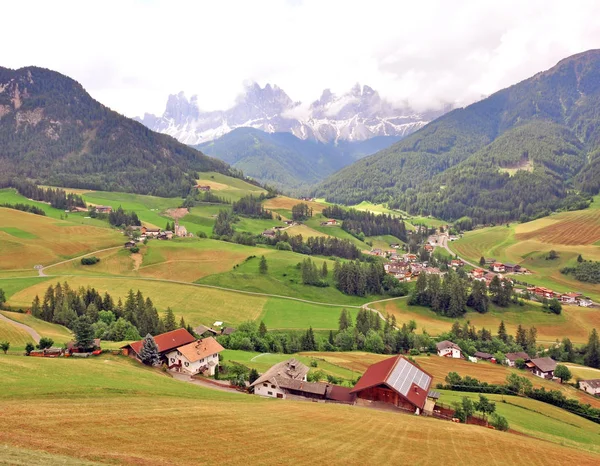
<point x="36" y="336"/>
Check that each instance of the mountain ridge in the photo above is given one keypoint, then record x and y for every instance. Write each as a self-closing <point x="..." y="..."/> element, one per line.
<point x="357" y="115"/>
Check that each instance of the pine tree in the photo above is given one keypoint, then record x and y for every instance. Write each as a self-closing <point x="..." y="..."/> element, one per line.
<point x="263" y="268"/>
<point x="36" y="310"/>
<point x="324" y="271"/>
<point x="331" y="340"/>
<point x="169" y="321"/>
<point x="502" y="332"/>
<point x="149" y="353"/>
<point x="482" y="261"/>
<point x="84" y="333"/>
<point x="592" y="353"/>
<point x="531" y="340"/>
<point x="182" y="323"/>
<point x="344" y="321"/>
<point x="521" y="337"/>
<point x="262" y="329"/>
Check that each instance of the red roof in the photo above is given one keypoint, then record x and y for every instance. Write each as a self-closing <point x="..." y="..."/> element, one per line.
<point x="166" y="341"/>
<point x="400" y="375"/>
<point x="338" y="393"/>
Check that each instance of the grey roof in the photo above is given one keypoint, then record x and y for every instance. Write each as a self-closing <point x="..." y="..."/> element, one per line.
<point x="544" y="364"/>
<point x="290" y="369"/>
<point x="405" y="374"/>
<point x="482" y="355"/>
<point x="200" y="329"/>
<point x="518" y="355"/>
<point x="594" y="383"/>
<point x="433" y="394"/>
<point x="446" y="344"/>
<point x="316" y="388"/>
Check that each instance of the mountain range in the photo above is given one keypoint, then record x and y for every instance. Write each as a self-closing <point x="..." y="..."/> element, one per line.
<point x="53" y="131"/>
<point x="522" y="152"/>
<point x="286" y="162"/>
<point x="357" y="115"/>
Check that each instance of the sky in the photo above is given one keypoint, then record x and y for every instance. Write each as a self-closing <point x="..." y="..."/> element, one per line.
<point x="131" y="54"/>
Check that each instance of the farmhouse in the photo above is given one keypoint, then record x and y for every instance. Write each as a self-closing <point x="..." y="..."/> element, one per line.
<point x="456" y="263"/>
<point x="165" y="341"/>
<point x="542" y="367"/>
<point x="273" y="382"/>
<point x="203" y="330"/>
<point x="395" y="381"/>
<point x="165" y="235"/>
<point x="511" y="358"/>
<point x="478" y="274"/>
<point x="269" y="233"/>
<point x="410" y="257"/>
<point x="200" y="356"/>
<point x="200" y="187"/>
<point x="447" y="349"/>
<point x="329" y="222"/>
<point x="129" y="244"/>
<point x="103" y="209"/>
<point x="498" y="267"/>
<point x="150" y="232"/>
<point x="585" y="302"/>
<point x="511" y="268"/>
<point x="590" y="386"/>
<point x="570" y="298"/>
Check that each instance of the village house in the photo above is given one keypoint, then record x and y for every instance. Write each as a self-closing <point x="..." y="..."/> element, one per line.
<point x="165" y="235"/>
<point x="202" y="187"/>
<point x="456" y="263"/>
<point x="590" y="386"/>
<point x="478" y="274"/>
<point x="150" y="232"/>
<point x="410" y="257"/>
<point x="129" y="244"/>
<point x="542" y="367"/>
<point x="103" y="209"/>
<point x="198" y="357"/>
<point x="428" y="247"/>
<point x="447" y="349"/>
<point x="377" y="252"/>
<point x="395" y="381"/>
<point x="570" y="298"/>
<point x="272" y="383"/>
<point x="396" y="267"/>
<point x="329" y="222"/>
<point x="585" y="302"/>
<point x="511" y="358"/>
<point x="498" y="267"/>
<point x="166" y="342"/>
<point x="269" y="233"/>
<point x="395" y="245"/>
<point x="511" y="268"/>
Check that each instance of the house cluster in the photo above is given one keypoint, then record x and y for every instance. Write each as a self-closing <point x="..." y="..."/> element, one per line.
<point x="405" y="268"/>
<point x="155" y="233"/>
<point x="182" y="352"/>
<point x="565" y="298"/>
<point x="395" y="381"/>
<point x="504" y="267"/>
<point x="483" y="276"/>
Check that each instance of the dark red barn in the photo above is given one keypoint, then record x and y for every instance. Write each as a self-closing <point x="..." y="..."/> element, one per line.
<point x="396" y="381"/>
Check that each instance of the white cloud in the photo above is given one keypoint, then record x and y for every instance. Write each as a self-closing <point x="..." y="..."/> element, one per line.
<point x="130" y="54"/>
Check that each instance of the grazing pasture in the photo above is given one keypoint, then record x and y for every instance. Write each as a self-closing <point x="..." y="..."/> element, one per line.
<point x="286" y="203"/>
<point x="228" y="187"/>
<point x="101" y="396"/>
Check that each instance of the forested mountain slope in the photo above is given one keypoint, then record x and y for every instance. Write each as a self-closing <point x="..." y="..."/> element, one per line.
<point x="524" y="150"/>
<point x="285" y="161"/>
<point x="52" y="130"/>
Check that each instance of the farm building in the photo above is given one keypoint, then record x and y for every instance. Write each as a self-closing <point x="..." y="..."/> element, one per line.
<point x="129" y="244"/>
<point x="447" y="349"/>
<point x="203" y="330"/>
<point x="72" y="348"/>
<point x="200" y="187"/>
<point x="273" y="383"/>
<point x="511" y="358"/>
<point x="484" y="356"/>
<point x="590" y="386"/>
<point x="511" y="268"/>
<point x="542" y="367"/>
<point x="269" y="233"/>
<point x="329" y="222"/>
<point x="165" y="341"/>
<point x="570" y="298"/>
<point x="585" y="302"/>
<point x="201" y="356"/>
<point x="103" y="209"/>
<point x="498" y="267"/>
<point x="227" y="330"/>
<point x="395" y="381"/>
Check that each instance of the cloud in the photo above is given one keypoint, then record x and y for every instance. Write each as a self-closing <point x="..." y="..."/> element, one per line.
<point x="130" y="54"/>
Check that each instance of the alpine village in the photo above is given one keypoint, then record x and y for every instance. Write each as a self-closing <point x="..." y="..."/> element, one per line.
<point x="408" y="275"/>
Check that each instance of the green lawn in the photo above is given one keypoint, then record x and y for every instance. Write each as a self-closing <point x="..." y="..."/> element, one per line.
<point x="232" y="189"/>
<point x="286" y="314"/>
<point x="57" y="332"/>
<point x="14" y="285"/>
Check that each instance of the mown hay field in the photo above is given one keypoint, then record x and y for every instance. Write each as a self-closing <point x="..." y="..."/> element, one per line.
<point x="57" y="332"/>
<point x="286" y="203"/>
<point x="27" y="239"/>
<point x="574" y="322"/>
<point x="119" y="404"/>
<point x="17" y="337"/>
<point x="228" y="187"/>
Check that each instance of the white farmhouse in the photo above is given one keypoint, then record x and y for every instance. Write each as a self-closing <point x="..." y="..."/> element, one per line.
<point x="447" y="349"/>
<point x="590" y="386"/>
<point x="201" y="356"/>
<point x="275" y="381"/>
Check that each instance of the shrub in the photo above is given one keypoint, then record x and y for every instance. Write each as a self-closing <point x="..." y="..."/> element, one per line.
<point x="134" y="250"/>
<point x="29" y="348"/>
<point x="499" y="422"/>
<point x="45" y="342"/>
<point x="4" y="346"/>
<point x="90" y="260"/>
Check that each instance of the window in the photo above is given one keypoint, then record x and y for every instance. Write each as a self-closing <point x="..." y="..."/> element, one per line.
<point x="272" y="386"/>
<point x="270" y="393"/>
<point x="265" y="384"/>
<point x="172" y="360"/>
<point x="186" y="364"/>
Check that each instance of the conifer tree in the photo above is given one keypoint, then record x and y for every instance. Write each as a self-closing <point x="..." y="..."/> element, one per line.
<point x="324" y="271"/>
<point x="149" y="354"/>
<point x="84" y="333"/>
<point x="36" y="310"/>
<point x="592" y="353"/>
<point x="263" y="268"/>
<point x="344" y="321"/>
<point x="182" y="323"/>
<point x="169" y="321"/>
<point x="262" y="329"/>
<point x="502" y="332"/>
<point x="521" y="337"/>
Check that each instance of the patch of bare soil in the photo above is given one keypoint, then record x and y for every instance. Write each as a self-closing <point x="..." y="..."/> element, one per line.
<point x="137" y="259"/>
<point x="177" y="213"/>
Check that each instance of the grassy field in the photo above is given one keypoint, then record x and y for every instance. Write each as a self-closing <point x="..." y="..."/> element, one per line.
<point x="57" y="332"/>
<point x="227" y="187"/>
<point x="574" y="322"/>
<point x="27" y="239"/>
<point x="286" y="203"/>
<point x="119" y="404"/>
<point x="285" y="314"/>
<point x="17" y="337"/>
<point x="568" y="233"/>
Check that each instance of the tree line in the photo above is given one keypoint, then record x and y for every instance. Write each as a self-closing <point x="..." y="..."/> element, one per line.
<point x="361" y="224"/>
<point x="250" y="206"/>
<point x="301" y="212"/>
<point x="25" y="208"/>
<point x="584" y="271"/>
<point x="109" y="320"/>
<point x="123" y="218"/>
<point x="357" y="278"/>
<point x="56" y="197"/>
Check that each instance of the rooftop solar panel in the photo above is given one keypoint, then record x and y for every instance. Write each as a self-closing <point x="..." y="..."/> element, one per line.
<point x="405" y="374"/>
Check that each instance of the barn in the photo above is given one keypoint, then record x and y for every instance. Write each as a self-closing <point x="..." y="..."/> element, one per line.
<point x="395" y="381"/>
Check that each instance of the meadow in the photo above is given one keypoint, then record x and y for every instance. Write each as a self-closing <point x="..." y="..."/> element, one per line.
<point x="27" y="239"/>
<point x="232" y="189"/>
<point x="57" y="332"/>
<point x="119" y="404"/>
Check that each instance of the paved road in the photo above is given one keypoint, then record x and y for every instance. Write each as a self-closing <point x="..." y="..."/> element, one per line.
<point x="27" y="328"/>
